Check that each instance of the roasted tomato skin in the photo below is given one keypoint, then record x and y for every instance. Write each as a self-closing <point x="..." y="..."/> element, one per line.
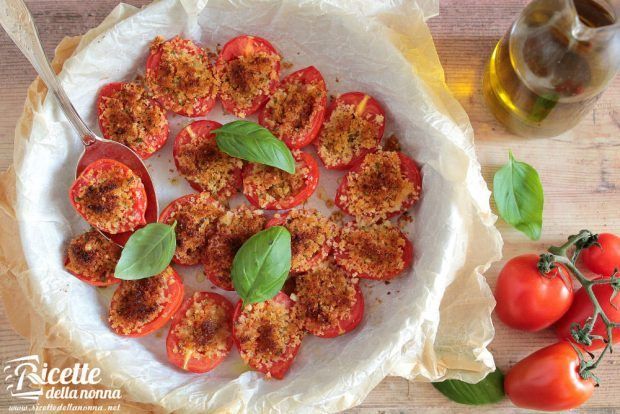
<point x="175" y="290"/>
<point x="526" y="299"/>
<point x="240" y="46"/>
<point x="312" y="181"/>
<point x="604" y="259"/>
<point x="548" y="380"/>
<point x="345" y="326"/>
<point x="197" y="365"/>
<point x="582" y="309"/>
<point x="277" y="370"/>
<point x="203" y="128"/>
<point x="158" y="140"/>
<point x="372" y="108"/>
<point x="305" y="76"/>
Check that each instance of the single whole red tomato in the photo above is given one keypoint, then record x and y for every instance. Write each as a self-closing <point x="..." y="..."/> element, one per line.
<point x="529" y="300"/>
<point x="582" y="309"/>
<point x="603" y="259"/>
<point x="548" y="380"/>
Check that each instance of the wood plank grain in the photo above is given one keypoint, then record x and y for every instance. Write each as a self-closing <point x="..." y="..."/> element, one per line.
<point x="580" y="170"/>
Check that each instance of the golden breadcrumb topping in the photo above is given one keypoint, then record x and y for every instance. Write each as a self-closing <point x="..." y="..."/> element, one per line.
<point x="108" y="201"/>
<point x="93" y="256"/>
<point x="204" y="330"/>
<point x="130" y="117"/>
<point x="311" y="237"/>
<point x="325" y="296"/>
<point x="266" y="331"/>
<point x="184" y="73"/>
<point x="271" y="185"/>
<point x="292" y="107"/>
<point x="233" y="229"/>
<point x="247" y="77"/>
<point x="376" y="249"/>
<point x="380" y="188"/>
<point x="138" y="302"/>
<point x="196" y="221"/>
<point x="345" y="134"/>
<point x="392" y="143"/>
<point x="201" y="161"/>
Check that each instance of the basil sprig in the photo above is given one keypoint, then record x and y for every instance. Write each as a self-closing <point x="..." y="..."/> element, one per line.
<point x="519" y="197"/>
<point x="262" y="264"/>
<point x="252" y="142"/>
<point x="489" y="390"/>
<point x="147" y="252"/>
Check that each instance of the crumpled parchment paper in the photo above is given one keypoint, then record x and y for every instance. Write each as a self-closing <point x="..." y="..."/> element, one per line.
<point x="435" y="324"/>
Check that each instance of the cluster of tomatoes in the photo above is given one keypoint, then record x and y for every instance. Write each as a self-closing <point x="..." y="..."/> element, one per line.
<point x="531" y="297"/>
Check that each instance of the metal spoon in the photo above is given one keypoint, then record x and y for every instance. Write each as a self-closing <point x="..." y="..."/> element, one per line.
<point x="17" y="21"/>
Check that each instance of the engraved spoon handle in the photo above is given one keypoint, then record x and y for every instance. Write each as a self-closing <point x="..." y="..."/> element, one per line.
<point x="17" y="21"/>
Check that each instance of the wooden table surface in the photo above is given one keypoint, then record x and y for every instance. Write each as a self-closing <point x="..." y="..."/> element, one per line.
<point x="580" y="171"/>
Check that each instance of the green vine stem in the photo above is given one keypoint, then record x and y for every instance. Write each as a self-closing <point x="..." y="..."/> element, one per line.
<point x="559" y="254"/>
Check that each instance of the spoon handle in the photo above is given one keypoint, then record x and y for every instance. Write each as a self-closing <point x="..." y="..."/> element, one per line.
<point x="17" y="21"/>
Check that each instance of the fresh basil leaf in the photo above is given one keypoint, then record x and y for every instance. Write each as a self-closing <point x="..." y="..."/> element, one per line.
<point x="252" y="142"/>
<point x="519" y="197"/>
<point x="147" y="252"/>
<point x="262" y="264"/>
<point x="489" y="390"/>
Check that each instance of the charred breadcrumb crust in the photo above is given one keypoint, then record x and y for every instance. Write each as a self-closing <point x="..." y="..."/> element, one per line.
<point x="131" y="117"/>
<point x="379" y="189"/>
<point x="204" y="331"/>
<point x="232" y="230"/>
<point x="93" y="256"/>
<point x="325" y="296"/>
<point x="138" y="302"/>
<point x="376" y="250"/>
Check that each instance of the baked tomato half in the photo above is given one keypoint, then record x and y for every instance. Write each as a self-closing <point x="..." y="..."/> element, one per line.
<point x="128" y="115"/>
<point x="329" y="302"/>
<point x="582" y="309"/>
<point x="268" y="335"/>
<point x="140" y="307"/>
<point x="199" y="160"/>
<point x="376" y="251"/>
<point x="196" y="216"/>
<point x="92" y="258"/>
<point x="312" y="236"/>
<point x="271" y="188"/>
<point x="295" y="111"/>
<point x="548" y="380"/>
<point x="109" y="196"/>
<point x="603" y="258"/>
<point x="248" y="69"/>
<point x="233" y="228"/>
<point x="529" y="300"/>
<point x="180" y="76"/>
<point x="200" y="335"/>
<point x="381" y="185"/>
<point x="354" y="125"/>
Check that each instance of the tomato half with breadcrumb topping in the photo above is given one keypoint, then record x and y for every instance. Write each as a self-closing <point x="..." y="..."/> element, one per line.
<point x="200" y="161"/>
<point x="233" y="229"/>
<point x="328" y="301"/>
<point x="140" y="307"/>
<point x="381" y="185"/>
<point x="312" y="236"/>
<point x="92" y="258"/>
<point x="128" y="115"/>
<point x="181" y="77"/>
<point x="196" y="216"/>
<point x="353" y="126"/>
<point x="109" y="196"/>
<point x="376" y="251"/>
<point x="271" y="188"/>
<point x="200" y="335"/>
<point x="296" y="110"/>
<point x="268" y="335"/>
<point x="248" y="68"/>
